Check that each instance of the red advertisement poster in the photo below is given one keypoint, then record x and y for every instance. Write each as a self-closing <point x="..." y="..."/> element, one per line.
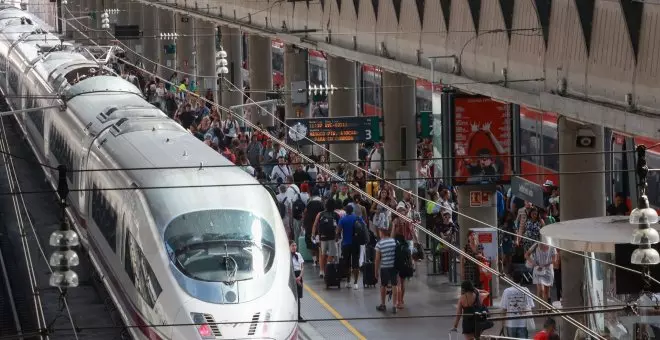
<point x="482" y="141"/>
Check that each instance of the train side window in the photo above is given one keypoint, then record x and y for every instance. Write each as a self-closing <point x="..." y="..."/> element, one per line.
<point x="128" y="260"/>
<point x="550" y="150"/>
<point x="145" y="279"/>
<point x="104" y="216"/>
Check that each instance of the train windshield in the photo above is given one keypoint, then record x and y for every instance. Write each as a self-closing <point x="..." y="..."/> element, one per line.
<point x="221" y="245"/>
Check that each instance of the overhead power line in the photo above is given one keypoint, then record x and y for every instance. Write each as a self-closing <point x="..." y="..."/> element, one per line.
<point x="442" y="241"/>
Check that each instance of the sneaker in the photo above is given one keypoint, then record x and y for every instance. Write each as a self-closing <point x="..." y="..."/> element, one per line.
<point x="381" y="308"/>
<point x="321" y="275"/>
<point x="348" y="285"/>
<point x="355" y="286"/>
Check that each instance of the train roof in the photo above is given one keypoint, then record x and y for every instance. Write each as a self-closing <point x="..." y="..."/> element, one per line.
<point x="169" y="145"/>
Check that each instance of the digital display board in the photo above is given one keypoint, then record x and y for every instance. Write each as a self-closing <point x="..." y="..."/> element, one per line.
<point x="334" y="130"/>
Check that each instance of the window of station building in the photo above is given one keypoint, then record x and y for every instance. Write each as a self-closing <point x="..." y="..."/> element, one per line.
<point x="143" y="276"/>
<point x="61" y="150"/>
<point x="105" y="217"/>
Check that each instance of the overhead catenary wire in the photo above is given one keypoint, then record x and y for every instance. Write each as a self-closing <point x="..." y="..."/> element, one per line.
<point x="600" y="309"/>
<point x="405" y="218"/>
<point x="295" y="151"/>
<point x="12" y="178"/>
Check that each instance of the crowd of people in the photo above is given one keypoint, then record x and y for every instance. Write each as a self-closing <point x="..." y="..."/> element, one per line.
<point x="325" y="215"/>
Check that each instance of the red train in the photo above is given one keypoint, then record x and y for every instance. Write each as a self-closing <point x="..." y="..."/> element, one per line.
<point x="538" y="135"/>
<point x="317" y="64"/>
<point x="372" y="97"/>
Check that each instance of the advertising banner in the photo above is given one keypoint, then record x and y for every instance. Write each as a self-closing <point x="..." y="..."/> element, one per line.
<point x="482" y="141"/>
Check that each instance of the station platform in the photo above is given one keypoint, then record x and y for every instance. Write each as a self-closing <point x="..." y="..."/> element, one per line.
<point x="430" y="306"/>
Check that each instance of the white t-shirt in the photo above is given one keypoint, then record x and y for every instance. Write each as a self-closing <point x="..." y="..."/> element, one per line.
<point x="374" y="158"/>
<point x="297" y="261"/>
<point x="516" y="303"/>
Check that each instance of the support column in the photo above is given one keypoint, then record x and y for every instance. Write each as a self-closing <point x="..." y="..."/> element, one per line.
<point x="261" y="74"/>
<point x="400" y="140"/>
<point x="205" y="46"/>
<point x="231" y="42"/>
<point x="167" y="61"/>
<point x="150" y="45"/>
<point x="185" y="46"/>
<point x="295" y="70"/>
<point x="487" y="214"/>
<point x="583" y="196"/>
<point x="121" y="19"/>
<point x="342" y="73"/>
<point x="135" y="18"/>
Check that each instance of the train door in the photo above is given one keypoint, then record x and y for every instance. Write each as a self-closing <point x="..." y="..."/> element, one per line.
<point x="619" y="159"/>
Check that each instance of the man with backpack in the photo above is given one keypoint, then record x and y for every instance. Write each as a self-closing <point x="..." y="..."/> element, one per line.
<point x="325" y="226"/>
<point x="298" y="204"/>
<point x="354" y="234"/>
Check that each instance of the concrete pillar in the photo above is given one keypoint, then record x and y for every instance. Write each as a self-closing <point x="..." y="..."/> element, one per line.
<point x="231" y="42"/>
<point x="399" y="122"/>
<point x="167" y="61"/>
<point x="582" y="196"/>
<point x="135" y="18"/>
<point x="295" y="70"/>
<point x="342" y="73"/>
<point x="261" y="74"/>
<point x="101" y="35"/>
<point x="121" y="18"/>
<point x="486" y="213"/>
<point x="184" y="46"/>
<point x="205" y="47"/>
<point x="150" y="45"/>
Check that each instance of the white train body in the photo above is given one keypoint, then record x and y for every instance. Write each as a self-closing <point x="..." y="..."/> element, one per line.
<point x="206" y="253"/>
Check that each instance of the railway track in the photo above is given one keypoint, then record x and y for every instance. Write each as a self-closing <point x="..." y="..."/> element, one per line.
<point x="31" y="306"/>
<point x="19" y="305"/>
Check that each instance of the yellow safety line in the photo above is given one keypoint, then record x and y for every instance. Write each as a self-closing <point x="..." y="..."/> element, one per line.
<point x="335" y="313"/>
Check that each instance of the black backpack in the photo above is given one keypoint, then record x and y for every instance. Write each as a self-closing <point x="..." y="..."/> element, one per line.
<point x="402" y="259"/>
<point x="327" y="227"/>
<point x="360" y="234"/>
<point x="282" y="207"/>
<point x="298" y="208"/>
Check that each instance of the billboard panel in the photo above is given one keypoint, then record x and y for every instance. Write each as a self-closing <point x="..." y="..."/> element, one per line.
<point x="482" y="140"/>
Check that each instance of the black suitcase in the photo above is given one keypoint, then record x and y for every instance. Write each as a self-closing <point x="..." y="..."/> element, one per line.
<point x="369" y="254"/>
<point x="368" y="277"/>
<point x="332" y="275"/>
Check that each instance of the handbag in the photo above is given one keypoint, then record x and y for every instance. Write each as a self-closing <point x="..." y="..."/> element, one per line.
<point x="482" y="322"/>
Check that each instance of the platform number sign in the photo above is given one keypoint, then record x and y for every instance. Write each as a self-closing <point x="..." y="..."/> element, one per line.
<point x="335" y="130"/>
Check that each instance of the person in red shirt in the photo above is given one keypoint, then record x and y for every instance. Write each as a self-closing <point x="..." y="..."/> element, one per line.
<point x="549" y="328"/>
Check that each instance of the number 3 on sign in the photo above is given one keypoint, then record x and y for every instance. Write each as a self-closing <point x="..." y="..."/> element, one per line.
<point x="368" y="134"/>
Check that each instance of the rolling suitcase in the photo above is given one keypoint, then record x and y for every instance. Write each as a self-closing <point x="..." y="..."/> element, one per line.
<point x="332" y="275"/>
<point x="368" y="277"/>
<point x="302" y="249"/>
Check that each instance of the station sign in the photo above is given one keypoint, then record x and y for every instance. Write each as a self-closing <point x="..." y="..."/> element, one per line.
<point x="337" y="130"/>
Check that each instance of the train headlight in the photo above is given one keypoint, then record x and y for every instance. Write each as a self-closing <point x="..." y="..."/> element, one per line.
<point x="203" y="328"/>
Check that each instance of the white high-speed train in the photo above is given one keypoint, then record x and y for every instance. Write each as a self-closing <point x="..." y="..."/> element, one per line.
<point x="207" y="255"/>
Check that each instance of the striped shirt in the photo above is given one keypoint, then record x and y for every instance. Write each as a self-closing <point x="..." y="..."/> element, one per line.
<point x="386" y="247"/>
<point x="544" y="258"/>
